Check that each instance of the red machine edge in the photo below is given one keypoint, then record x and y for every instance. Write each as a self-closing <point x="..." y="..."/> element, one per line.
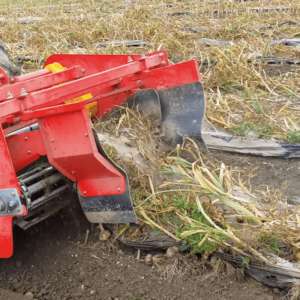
<point x="64" y="132"/>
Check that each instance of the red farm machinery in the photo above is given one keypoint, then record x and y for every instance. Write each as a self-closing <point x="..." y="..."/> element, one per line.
<point x="47" y="143"/>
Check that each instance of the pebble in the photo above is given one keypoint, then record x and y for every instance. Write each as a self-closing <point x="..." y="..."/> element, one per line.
<point x="19" y="264"/>
<point x="237" y="117"/>
<point x="44" y="291"/>
<point x="276" y="291"/>
<point x="81" y="277"/>
<point x="34" y="289"/>
<point x="28" y="295"/>
<point x="18" y="285"/>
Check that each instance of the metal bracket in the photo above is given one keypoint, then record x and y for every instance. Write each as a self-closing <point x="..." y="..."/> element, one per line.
<point x="10" y="203"/>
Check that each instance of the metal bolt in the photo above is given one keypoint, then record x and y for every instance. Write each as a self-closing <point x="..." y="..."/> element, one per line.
<point x="17" y="119"/>
<point x="120" y="79"/>
<point x="119" y="189"/>
<point x="23" y="92"/>
<point x="129" y="59"/>
<point x="86" y="134"/>
<point x="28" y="202"/>
<point x="9" y="95"/>
<point x="83" y="70"/>
<point x="84" y="192"/>
<point x="160" y="54"/>
<point x="28" y="151"/>
<point x="12" y="80"/>
<point x="2" y="206"/>
<point x="73" y="172"/>
<point x="18" y="209"/>
<point x="139" y="81"/>
<point x="163" y="62"/>
<point x="13" y="194"/>
<point x="25" y="138"/>
<point x="11" y="203"/>
<point x="52" y="140"/>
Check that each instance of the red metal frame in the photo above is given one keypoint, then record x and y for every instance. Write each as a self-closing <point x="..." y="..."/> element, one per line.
<point x="65" y="134"/>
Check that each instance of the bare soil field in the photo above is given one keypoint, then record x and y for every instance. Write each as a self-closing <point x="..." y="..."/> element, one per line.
<point x="48" y="263"/>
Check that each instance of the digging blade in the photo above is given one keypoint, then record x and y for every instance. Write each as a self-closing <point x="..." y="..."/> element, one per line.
<point x="183" y="109"/>
<point x="111" y="209"/>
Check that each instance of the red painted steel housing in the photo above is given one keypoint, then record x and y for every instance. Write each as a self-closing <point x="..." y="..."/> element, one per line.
<point x="65" y="134"/>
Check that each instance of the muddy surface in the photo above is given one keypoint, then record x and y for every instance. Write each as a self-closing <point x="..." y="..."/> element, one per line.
<point x="282" y="174"/>
<point x="49" y="264"/>
<point x="278" y="70"/>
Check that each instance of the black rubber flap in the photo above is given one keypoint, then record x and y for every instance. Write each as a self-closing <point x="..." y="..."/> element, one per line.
<point x="109" y="209"/>
<point x="183" y="110"/>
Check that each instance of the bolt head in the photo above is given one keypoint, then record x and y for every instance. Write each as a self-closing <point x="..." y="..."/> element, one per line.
<point x="11" y="203"/>
<point x="83" y="70"/>
<point x="52" y="140"/>
<point x="139" y="81"/>
<point x="25" y="138"/>
<point x="2" y="206"/>
<point x="160" y="54"/>
<point x="17" y="119"/>
<point x="84" y="192"/>
<point x="9" y="95"/>
<point x="86" y="134"/>
<point x="13" y="194"/>
<point x="163" y="63"/>
<point x="12" y="80"/>
<point x="73" y="172"/>
<point x="28" y="151"/>
<point x="119" y="189"/>
<point x="23" y="91"/>
<point x="120" y="79"/>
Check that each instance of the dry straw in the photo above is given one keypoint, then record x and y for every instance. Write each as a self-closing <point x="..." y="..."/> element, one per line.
<point x="265" y="100"/>
<point x="234" y="86"/>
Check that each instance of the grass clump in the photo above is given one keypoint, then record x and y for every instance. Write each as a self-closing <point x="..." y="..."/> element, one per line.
<point x="294" y="136"/>
<point x="262" y="130"/>
<point x="271" y="241"/>
<point x="198" y="243"/>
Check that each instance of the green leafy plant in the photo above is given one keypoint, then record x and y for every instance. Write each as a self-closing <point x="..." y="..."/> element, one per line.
<point x="240" y="130"/>
<point x="196" y="243"/>
<point x="157" y="231"/>
<point x="246" y="262"/>
<point x="255" y="102"/>
<point x="294" y="136"/>
<point x="261" y="130"/>
<point x="271" y="241"/>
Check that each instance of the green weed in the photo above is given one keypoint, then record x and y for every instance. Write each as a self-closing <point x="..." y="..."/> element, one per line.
<point x="256" y="104"/>
<point x="246" y="262"/>
<point x="293" y="136"/>
<point x="263" y="130"/>
<point x="271" y="241"/>
<point x="157" y="231"/>
<point x="192" y="242"/>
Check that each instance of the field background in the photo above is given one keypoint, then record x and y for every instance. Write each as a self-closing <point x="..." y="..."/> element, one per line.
<point x="252" y="89"/>
<point x="245" y="89"/>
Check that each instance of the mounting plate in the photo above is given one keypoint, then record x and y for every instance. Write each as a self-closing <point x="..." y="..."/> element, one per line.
<point x="10" y="203"/>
